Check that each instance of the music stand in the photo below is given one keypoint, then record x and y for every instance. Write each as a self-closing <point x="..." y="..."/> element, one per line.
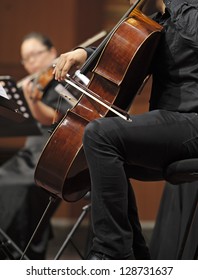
<point x="10" y="110"/>
<point x="15" y="110"/>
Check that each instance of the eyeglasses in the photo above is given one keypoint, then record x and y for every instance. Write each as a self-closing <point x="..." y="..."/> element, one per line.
<point x="32" y="55"/>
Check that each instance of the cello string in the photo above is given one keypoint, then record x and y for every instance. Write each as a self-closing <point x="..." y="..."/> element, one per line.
<point x="126" y="118"/>
<point x="89" y="62"/>
<point x="99" y="97"/>
<point x="86" y="66"/>
<point x="86" y="43"/>
<point x="84" y="69"/>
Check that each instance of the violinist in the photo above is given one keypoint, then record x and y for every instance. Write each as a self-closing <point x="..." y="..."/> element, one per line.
<point x="22" y="203"/>
<point x="117" y="150"/>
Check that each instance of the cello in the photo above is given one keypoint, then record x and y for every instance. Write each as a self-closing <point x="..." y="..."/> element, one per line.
<point x="116" y="77"/>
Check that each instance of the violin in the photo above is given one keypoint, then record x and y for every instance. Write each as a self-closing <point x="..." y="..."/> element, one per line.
<point x="41" y="79"/>
<point x="122" y="66"/>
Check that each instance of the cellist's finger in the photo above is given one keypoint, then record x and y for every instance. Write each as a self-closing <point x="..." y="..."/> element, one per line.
<point x="59" y="66"/>
<point x="64" y="70"/>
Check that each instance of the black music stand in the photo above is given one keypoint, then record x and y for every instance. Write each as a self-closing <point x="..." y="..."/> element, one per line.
<point x="10" y="110"/>
<point x="15" y="116"/>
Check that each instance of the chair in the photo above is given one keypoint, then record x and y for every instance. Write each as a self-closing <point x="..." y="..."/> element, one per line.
<point x="182" y="171"/>
<point x="186" y="171"/>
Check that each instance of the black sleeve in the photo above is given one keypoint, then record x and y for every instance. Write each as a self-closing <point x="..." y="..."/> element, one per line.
<point x="90" y="50"/>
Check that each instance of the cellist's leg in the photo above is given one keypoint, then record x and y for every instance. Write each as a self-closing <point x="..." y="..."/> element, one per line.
<point x="108" y="226"/>
<point x="109" y="144"/>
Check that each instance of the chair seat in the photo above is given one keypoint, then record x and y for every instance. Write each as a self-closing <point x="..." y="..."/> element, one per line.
<point x="182" y="171"/>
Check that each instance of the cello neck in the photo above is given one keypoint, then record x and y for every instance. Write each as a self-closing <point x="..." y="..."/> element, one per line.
<point x="92" y="59"/>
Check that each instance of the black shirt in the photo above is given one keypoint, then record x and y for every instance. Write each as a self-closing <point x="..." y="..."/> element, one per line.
<point x="175" y="66"/>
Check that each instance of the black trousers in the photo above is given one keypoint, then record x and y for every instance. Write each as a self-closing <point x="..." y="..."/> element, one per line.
<point x="117" y="150"/>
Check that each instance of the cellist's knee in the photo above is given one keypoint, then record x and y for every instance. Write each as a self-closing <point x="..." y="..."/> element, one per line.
<point x="90" y="132"/>
<point x="94" y="133"/>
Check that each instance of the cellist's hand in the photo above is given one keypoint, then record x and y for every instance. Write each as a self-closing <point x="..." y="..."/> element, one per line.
<point x="67" y="61"/>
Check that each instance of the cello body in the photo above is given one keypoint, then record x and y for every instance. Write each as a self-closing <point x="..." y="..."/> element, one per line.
<point x="120" y="71"/>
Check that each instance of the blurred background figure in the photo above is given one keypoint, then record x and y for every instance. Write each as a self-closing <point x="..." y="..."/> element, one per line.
<point x="22" y="203"/>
